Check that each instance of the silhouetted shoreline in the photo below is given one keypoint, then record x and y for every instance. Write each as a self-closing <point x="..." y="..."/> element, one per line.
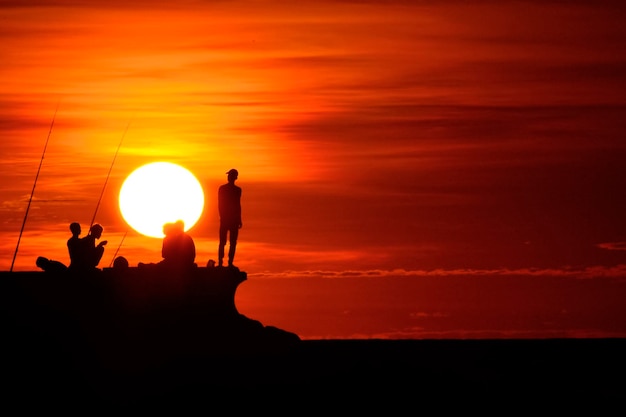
<point x="393" y="373"/>
<point x="73" y="341"/>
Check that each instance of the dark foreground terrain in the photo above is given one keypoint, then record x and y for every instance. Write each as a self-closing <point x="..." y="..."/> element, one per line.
<point x="137" y="341"/>
<point x="355" y="373"/>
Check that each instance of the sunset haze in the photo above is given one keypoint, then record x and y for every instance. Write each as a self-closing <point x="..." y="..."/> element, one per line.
<point x="409" y="169"/>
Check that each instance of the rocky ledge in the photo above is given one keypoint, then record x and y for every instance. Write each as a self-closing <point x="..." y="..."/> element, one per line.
<point x="130" y="321"/>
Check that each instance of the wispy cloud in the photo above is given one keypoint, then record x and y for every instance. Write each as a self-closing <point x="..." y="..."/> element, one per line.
<point x="612" y="245"/>
<point x="597" y="272"/>
<point x="409" y="135"/>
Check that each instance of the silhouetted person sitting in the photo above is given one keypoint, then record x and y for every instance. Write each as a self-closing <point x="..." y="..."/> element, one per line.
<point x="178" y="250"/>
<point x="121" y="267"/>
<point x="74" y="245"/>
<point x="168" y="248"/>
<point x="50" y="265"/>
<point x="90" y="251"/>
<point x="229" y="206"/>
<point x="120" y="264"/>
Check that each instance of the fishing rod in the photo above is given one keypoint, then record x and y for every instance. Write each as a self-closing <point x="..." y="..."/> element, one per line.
<point x="118" y="248"/>
<point x="93" y="219"/>
<point x="34" y="185"/>
<point x="108" y="175"/>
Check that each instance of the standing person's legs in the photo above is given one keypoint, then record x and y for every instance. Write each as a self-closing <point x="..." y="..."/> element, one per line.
<point x="234" y="234"/>
<point x="220" y="249"/>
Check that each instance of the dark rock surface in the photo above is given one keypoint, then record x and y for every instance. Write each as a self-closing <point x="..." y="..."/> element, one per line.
<point x="141" y="339"/>
<point x="128" y="333"/>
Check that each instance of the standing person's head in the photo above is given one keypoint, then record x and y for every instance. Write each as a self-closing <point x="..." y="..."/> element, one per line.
<point x="75" y="228"/>
<point x="96" y="231"/>
<point x="232" y="175"/>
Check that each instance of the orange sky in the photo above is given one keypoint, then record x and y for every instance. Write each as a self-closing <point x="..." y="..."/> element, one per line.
<point x="396" y="141"/>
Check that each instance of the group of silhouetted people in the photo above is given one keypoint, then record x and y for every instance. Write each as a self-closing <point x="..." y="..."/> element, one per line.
<point x="178" y="250"/>
<point x="85" y="254"/>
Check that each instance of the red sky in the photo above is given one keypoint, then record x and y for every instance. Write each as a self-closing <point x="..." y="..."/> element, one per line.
<point x="409" y="169"/>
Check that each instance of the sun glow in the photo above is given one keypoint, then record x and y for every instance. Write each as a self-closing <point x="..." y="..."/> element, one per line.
<point x="159" y="193"/>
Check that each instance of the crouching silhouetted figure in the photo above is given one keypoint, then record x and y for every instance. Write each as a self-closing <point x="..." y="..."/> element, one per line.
<point x="120" y="264"/>
<point x="50" y="265"/>
<point x="86" y="253"/>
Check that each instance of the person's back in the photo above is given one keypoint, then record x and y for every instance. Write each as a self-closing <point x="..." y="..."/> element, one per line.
<point x="229" y="204"/>
<point x="169" y="245"/>
<point x="187" y="250"/>
<point x="75" y="247"/>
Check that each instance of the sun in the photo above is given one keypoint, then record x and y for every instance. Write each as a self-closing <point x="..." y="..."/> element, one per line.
<point x="159" y="193"/>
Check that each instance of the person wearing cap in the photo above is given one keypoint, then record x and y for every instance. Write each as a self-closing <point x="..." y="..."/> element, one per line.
<point x="229" y="206"/>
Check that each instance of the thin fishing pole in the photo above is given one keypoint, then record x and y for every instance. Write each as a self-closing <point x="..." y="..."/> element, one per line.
<point x="108" y="175"/>
<point x="34" y="185"/>
<point x="118" y="248"/>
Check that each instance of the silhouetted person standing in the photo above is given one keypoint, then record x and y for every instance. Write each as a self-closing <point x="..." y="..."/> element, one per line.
<point x="74" y="246"/>
<point x="229" y="205"/>
<point x="92" y="252"/>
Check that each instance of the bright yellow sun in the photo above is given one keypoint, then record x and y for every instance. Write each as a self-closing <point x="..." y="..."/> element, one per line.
<point x="159" y="193"/>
